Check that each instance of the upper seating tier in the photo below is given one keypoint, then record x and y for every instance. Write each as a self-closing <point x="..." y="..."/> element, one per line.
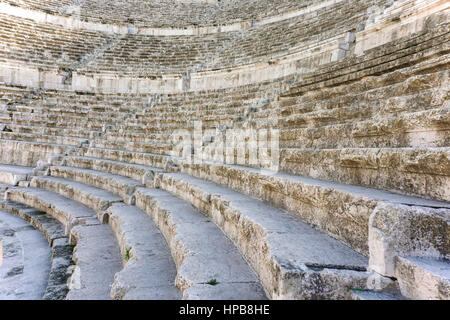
<point x="165" y="13"/>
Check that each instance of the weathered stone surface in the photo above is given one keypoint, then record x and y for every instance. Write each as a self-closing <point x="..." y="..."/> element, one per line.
<point x="288" y="255"/>
<point x="70" y="213"/>
<point x="343" y="211"/>
<point x="92" y="197"/>
<point x="423" y="278"/>
<point x="355" y="97"/>
<point x="186" y="230"/>
<point x="27" y="260"/>
<point x="149" y="271"/>
<point x="13" y="174"/>
<point x="134" y="171"/>
<point x="407" y="231"/>
<point x="97" y="259"/>
<point x="57" y="287"/>
<point x="1" y="252"/>
<point x="119" y="185"/>
<point x="53" y="231"/>
<point x="373" y="295"/>
<point x="27" y="153"/>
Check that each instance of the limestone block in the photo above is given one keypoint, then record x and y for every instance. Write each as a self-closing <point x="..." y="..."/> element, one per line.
<point x="406" y="231"/>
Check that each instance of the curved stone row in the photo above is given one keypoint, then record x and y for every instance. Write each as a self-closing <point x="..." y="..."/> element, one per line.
<point x="61" y="255"/>
<point x="378" y="123"/>
<point x="182" y="13"/>
<point x="172" y="63"/>
<point x="26" y="260"/>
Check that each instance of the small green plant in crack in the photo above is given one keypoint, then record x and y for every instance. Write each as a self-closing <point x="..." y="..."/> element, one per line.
<point x="128" y="254"/>
<point x="212" y="282"/>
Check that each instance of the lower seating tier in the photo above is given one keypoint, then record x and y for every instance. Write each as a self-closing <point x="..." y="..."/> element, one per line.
<point x="61" y="255"/>
<point x="283" y="228"/>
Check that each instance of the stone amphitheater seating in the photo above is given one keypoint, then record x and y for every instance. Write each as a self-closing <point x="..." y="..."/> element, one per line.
<point x="43" y="46"/>
<point x="357" y="208"/>
<point x="142" y="55"/>
<point x="154" y="13"/>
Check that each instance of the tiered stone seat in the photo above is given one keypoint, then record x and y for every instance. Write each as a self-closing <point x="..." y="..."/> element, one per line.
<point x="61" y="256"/>
<point x="148" y="131"/>
<point x="156" y="13"/>
<point x="271" y="41"/>
<point x="158" y="202"/>
<point x="359" y="202"/>
<point x="356" y="126"/>
<point x="50" y="122"/>
<point x="143" y="55"/>
<point x="10" y="174"/>
<point x="196" y="264"/>
<point x="96" y="262"/>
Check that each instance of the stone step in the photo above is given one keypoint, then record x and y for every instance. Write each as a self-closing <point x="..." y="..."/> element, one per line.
<point x="134" y="231"/>
<point x="327" y="109"/>
<point x="374" y="295"/>
<point x="122" y="186"/>
<point x="92" y="197"/>
<point x="51" y="228"/>
<point x="208" y="264"/>
<point x="426" y="128"/>
<point x="186" y="274"/>
<point x="158" y="148"/>
<point x="96" y="255"/>
<point x="97" y="260"/>
<point x="11" y="174"/>
<point x="423" y="278"/>
<point x="286" y="253"/>
<point x="62" y="110"/>
<point x="94" y="125"/>
<point x="137" y="137"/>
<point x="149" y="270"/>
<point x="138" y="172"/>
<point x="61" y="118"/>
<point x="53" y="231"/>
